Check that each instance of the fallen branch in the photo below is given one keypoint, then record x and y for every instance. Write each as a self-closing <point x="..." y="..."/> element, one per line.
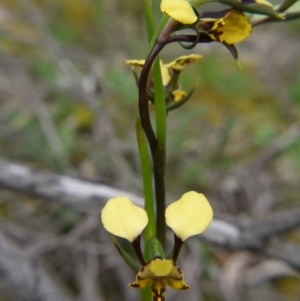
<point x="88" y="197"/>
<point x="79" y="194"/>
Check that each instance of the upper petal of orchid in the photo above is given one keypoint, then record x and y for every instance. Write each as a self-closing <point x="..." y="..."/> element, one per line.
<point x="122" y="218"/>
<point x="180" y="10"/>
<point x="190" y="215"/>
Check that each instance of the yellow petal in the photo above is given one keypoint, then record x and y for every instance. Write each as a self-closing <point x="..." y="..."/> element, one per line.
<point x="141" y="282"/>
<point x="181" y="62"/>
<point x="190" y="215"/>
<point x="160" y="267"/>
<point x="177" y="283"/>
<point x="157" y="267"/>
<point x="229" y="25"/>
<point x="122" y="218"/>
<point x="237" y="27"/>
<point x="210" y="22"/>
<point x="135" y="63"/>
<point x="178" y="94"/>
<point x="180" y="10"/>
<point x="165" y="74"/>
<point x="158" y="289"/>
<point x="158" y="273"/>
<point x="176" y="278"/>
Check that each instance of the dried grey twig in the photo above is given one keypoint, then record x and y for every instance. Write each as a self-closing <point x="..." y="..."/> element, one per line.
<point x="88" y="197"/>
<point x="84" y="196"/>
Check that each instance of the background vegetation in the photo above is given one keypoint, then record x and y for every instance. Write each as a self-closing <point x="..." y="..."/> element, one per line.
<point x="68" y="106"/>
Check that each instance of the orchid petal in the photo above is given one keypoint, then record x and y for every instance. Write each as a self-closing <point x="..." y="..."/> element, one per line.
<point x="122" y="218"/>
<point x="180" y="10"/>
<point x="190" y="215"/>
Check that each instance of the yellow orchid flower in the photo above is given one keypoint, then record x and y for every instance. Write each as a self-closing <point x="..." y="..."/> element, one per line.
<point x="229" y="25"/>
<point x="166" y="69"/>
<point x="170" y="74"/>
<point x="188" y="216"/>
<point x="166" y="76"/>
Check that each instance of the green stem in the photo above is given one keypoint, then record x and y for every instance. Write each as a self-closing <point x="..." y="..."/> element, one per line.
<point x="286" y="5"/>
<point x="149" y="18"/>
<point x="153" y="143"/>
<point x="144" y="156"/>
<point x="288" y="17"/>
<point x="160" y="154"/>
<point x="146" y="293"/>
<point x="162" y="23"/>
<point x="161" y="134"/>
<point x="156" y="142"/>
<point x="146" y="167"/>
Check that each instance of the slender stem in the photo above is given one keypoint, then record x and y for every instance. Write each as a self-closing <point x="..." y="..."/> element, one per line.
<point x="146" y="167"/>
<point x="143" y="100"/>
<point x="159" y="182"/>
<point x="157" y="143"/>
<point x="143" y="83"/>
<point x="190" y="39"/>
<point x="162" y="23"/>
<point x="177" y="247"/>
<point x="146" y="294"/>
<point x="149" y="18"/>
<point x="288" y="17"/>
<point x="160" y="154"/>
<point x="136" y="243"/>
<point x="128" y="259"/>
<point x="286" y="5"/>
<point x="145" y="160"/>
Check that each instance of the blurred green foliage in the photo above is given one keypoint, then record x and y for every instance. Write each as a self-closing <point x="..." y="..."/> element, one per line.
<point x="224" y="94"/>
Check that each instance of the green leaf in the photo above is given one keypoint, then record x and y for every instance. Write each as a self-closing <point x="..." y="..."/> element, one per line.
<point x="126" y="256"/>
<point x="147" y="178"/>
